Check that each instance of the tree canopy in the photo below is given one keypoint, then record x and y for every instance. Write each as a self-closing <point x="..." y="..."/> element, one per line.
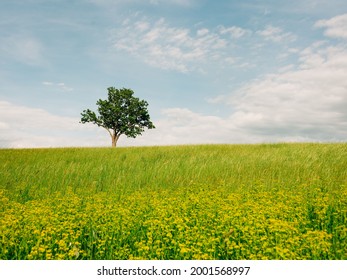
<point x="121" y="113"/>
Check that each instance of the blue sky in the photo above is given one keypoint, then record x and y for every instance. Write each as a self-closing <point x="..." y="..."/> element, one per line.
<point x="212" y="71"/>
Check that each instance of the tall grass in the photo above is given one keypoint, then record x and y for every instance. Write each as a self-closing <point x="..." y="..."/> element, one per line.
<point x="128" y="169"/>
<point x="244" y="201"/>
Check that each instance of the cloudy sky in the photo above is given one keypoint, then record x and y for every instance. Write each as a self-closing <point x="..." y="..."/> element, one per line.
<point x="212" y="71"/>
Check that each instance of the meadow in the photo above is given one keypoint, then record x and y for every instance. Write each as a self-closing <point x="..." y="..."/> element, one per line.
<point x="266" y="201"/>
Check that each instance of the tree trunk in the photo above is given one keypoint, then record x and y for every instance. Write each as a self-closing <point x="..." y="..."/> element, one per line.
<point x="114" y="140"/>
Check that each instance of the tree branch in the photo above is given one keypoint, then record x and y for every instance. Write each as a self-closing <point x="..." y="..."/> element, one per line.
<point x="108" y="130"/>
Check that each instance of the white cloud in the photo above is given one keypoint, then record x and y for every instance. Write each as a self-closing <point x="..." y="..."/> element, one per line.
<point x="23" y="126"/>
<point x="169" y="48"/>
<point x="60" y="86"/>
<point x="303" y="102"/>
<point x="234" y="31"/>
<point x="202" y="32"/>
<point x="183" y="3"/>
<point x="4" y="125"/>
<point x="183" y="126"/>
<point x="47" y="83"/>
<point x="160" y="45"/>
<point x="336" y="27"/>
<point x="276" y="34"/>
<point x="309" y="103"/>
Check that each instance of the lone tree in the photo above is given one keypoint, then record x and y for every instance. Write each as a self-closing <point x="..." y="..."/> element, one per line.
<point x="121" y="114"/>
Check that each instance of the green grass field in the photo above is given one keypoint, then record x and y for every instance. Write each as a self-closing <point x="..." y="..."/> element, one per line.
<point x="268" y="201"/>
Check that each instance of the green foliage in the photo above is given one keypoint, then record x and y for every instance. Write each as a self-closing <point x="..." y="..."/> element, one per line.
<point x="121" y="113"/>
<point x="283" y="201"/>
